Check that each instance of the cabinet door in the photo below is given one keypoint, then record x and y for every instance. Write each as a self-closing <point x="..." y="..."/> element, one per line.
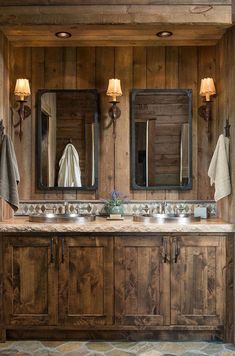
<point x="142" y="281"/>
<point x="86" y="281"/>
<point x="30" y="279"/>
<point x="198" y="280"/>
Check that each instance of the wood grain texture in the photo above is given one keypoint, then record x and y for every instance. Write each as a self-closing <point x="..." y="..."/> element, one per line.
<point x="21" y="68"/>
<point x="207" y="142"/>
<point x="138" y="67"/>
<point x="105" y="71"/>
<point x="123" y="69"/>
<point x="5" y="211"/>
<point x="38" y="60"/>
<point x="188" y="61"/>
<point x="139" y="82"/>
<point x="172" y="79"/>
<point x="156" y="79"/>
<point x="229" y="311"/>
<point x="1" y="289"/>
<point x="113" y="35"/>
<point x="30" y="282"/>
<point x="69" y="77"/>
<point x="53" y="79"/>
<point x="112" y="2"/>
<point x="86" y="281"/>
<point x="154" y="293"/>
<point x="85" y="79"/>
<point x="141" y="282"/>
<point x="198" y="281"/>
<point x="226" y="109"/>
<point x="116" y="14"/>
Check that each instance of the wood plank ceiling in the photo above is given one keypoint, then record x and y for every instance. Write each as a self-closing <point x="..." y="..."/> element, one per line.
<point x="114" y="23"/>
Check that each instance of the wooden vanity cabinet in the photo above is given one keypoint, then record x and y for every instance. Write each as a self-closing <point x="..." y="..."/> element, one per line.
<point x="58" y="281"/>
<point x="30" y="280"/>
<point x="198" y="280"/>
<point x="170" y="280"/>
<point x="85" y="281"/>
<point x="142" y="281"/>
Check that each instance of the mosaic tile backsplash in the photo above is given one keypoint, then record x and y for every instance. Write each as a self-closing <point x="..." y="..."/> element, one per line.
<point x="97" y="207"/>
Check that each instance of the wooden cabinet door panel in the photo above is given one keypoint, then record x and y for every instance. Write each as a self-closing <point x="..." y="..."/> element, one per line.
<point x="142" y="281"/>
<point x="30" y="296"/>
<point x="86" y="281"/>
<point x="197" y="280"/>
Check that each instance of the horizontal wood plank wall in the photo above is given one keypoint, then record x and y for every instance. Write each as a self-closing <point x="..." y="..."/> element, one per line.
<point x="226" y="110"/>
<point x="90" y="67"/>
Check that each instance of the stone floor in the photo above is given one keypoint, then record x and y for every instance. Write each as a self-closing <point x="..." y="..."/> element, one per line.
<point x="59" y="348"/>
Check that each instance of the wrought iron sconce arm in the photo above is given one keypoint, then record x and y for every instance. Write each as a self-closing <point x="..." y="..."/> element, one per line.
<point x="114" y="90"/>
<point x="207" y="90"/>
<point x="22" y="90"/>
<point x="24" y="111"/>
<point x="114" y="114"/>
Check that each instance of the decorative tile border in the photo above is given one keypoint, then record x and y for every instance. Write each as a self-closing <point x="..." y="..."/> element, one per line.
<point x="97" y="207"/>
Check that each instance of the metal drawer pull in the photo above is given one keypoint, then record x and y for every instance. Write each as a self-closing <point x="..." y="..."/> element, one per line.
<point x="52" y="253"/>
<point x="62" y="248"/>
<point x="164" y="250"/>
<point x="176" y="250"/>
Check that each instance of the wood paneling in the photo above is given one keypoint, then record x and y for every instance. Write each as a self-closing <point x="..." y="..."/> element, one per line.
<point x="5" y="210"/>
<point x="137" y="67"/>
<point x="188" y="62"/>
<point x="113" y="35"/>
<point x="226" y="110"/>
<point x="117" y="14"/>
<point x="112" y="2"/>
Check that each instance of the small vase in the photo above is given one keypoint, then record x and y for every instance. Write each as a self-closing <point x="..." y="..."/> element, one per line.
<point x="116" y="209"/>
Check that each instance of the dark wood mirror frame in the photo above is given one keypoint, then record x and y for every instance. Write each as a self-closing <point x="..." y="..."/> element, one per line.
<point x="134" y="93"/>
<point x="39" y="163"/>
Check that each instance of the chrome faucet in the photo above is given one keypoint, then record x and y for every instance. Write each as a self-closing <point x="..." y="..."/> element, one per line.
<point x="66" y="207"/>
<point x="162" y="208"/>
<point x="146" y="210"/>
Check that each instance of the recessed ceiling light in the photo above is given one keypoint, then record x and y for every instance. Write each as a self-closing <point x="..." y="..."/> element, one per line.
<point x="164" y="34"/>
<point x="63" y="34"/>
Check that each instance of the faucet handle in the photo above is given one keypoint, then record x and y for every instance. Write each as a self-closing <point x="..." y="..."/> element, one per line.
<point x="66" y="207"/>
<point x="146" y="210"/>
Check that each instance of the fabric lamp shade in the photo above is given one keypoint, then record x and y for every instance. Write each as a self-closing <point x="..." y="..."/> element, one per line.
<point x="22" y="88"/>
<point x="114" y="88"/>
<point x="207" y="88"/>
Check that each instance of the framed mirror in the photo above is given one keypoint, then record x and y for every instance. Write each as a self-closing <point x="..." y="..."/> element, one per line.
<point x="161" y="139"/>
<point x="67" y="139"/>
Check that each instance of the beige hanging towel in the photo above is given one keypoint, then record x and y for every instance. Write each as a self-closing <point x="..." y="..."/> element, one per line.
<point x="69" y="172"/>
<point x="219" y="169"/>
<point x="9" y="174"/>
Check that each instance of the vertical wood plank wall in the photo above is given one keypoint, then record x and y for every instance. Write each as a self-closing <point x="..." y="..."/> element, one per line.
<point x="226" y="110"/>
<point x="5" y="210"/>
<point x="140" y="67"/>
<point x="225" y="68"/>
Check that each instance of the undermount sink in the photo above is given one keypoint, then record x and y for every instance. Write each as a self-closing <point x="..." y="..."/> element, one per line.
<point x="61" y="218"/>
<point x="160" y="218"/>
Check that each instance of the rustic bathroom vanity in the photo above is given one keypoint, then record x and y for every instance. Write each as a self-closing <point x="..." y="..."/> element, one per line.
<point x="116" y="280"/>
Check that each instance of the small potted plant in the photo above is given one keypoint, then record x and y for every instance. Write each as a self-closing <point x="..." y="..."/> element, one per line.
<point x="114" y="205"/>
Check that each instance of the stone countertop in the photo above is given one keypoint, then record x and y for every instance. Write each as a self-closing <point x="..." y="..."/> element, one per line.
<point x="101" y="225"/>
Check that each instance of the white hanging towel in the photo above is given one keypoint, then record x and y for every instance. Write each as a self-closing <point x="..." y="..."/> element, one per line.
<point x="219" y="169"/>
<point x="69" y="172"/>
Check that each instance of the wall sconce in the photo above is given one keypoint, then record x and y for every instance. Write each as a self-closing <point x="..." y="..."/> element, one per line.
<point x="22" y="90"/>
<point x="207" y="90"/>
<point x="114" y="90"/>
